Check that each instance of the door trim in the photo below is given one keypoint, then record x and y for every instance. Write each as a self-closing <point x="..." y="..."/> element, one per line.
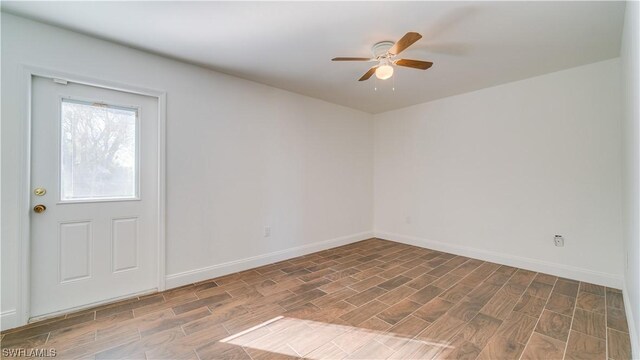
<point x="23" y="304"/>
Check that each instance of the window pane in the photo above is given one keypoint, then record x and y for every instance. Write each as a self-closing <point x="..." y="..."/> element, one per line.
<point x="98" y="151"/>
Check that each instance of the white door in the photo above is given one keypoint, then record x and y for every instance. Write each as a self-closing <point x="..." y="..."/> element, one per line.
<point x="94" y="196"/>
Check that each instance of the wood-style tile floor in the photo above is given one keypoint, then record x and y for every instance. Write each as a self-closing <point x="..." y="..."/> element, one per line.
<point x="373" y="299"/>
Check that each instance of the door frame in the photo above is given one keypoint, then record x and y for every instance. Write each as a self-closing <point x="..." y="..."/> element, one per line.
<point x="23" y="305"/>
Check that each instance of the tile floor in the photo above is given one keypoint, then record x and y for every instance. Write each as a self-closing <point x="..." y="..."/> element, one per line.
<point x="374" y="299"/>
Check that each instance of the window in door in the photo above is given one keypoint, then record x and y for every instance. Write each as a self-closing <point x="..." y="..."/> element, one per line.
<point x="99" y="152"/>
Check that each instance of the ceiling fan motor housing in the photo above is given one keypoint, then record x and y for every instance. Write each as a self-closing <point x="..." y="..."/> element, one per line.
<point x="380" y="49"/>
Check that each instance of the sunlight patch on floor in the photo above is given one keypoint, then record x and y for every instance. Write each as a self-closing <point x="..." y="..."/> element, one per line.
<point x="317" y="340"/>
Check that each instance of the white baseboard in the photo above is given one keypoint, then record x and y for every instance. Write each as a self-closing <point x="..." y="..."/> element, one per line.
<point x="633" y="331"/>
<point x="8" y="319"/>
<point x="562" y="270"/>
<point x="209" y="272"/>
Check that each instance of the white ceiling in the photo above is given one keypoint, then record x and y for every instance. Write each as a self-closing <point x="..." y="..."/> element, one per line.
<point x="289" y="44"/>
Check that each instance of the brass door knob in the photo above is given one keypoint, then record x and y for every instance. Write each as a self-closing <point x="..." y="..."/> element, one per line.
<point x="39" y="208"/>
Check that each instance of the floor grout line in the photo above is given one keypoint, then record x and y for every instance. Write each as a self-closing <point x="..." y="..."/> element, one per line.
<point x="573" y="316"/>
<point x="479" y="311"/>
<point x="540" y="315"/>
<point x="454" y="284"/>
<point x="502" y="321"/>
<point x="606" y="330"/>
<point x="375" y="315"/>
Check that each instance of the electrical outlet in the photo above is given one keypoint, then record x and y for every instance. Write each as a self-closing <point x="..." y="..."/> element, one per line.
<point x="558" y="240"/>
<point x="267" y="231"/>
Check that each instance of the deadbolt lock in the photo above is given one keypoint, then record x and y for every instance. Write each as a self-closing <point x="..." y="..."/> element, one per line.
<point x="40" y="191"/>
<point x="39" y="208"/>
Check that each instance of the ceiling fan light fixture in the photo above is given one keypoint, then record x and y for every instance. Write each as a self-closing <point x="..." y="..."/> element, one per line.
<point x="384" y="72"/>
<point x="384" y="53"/>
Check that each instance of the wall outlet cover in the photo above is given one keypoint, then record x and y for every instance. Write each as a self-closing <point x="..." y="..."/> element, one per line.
<point x="558" y="240"/>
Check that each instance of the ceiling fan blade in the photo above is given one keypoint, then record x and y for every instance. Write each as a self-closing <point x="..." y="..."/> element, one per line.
<point x="416" y="64"/>
<point x="368" y="74"/>
<point x="407" y="40"/>
<point x="350" y="59"/>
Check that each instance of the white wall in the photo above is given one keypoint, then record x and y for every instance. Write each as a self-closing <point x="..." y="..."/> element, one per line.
<point x="631" y="179"/>
<point x="497" y="172"/>
<point x="240" y="156"/>
<point x="492" y="174"/>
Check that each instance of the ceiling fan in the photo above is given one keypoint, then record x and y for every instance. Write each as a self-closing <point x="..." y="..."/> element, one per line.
<point x="384" y="54"/>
